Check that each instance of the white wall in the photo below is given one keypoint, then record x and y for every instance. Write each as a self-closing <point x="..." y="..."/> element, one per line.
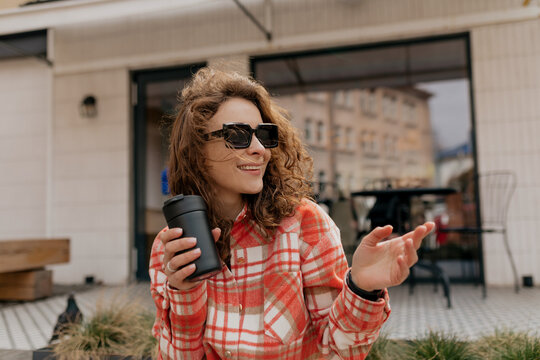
<point x="506" y="71"/>
<point x="91" y="164"/>
<point x="25" y="115"/>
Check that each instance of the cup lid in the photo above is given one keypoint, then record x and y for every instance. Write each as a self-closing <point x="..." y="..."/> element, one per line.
<point x="181" y="204"/>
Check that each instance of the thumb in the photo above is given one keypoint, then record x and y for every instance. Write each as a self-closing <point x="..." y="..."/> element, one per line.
<point x="376" y="235"/>
<point x="216" y="233"/>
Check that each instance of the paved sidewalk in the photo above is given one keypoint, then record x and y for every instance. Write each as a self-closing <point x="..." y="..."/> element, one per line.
<point x="28" y="325"/>
<point x="470" y="317"/>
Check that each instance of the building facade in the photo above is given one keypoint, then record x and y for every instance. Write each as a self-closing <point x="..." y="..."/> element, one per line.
<point x="362" y="135"/>
<point x="65" y="173"/>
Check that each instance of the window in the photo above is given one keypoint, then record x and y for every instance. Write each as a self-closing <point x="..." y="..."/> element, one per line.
<point x="389" y="107"/>
<point x="365" y="142"/>
<point x="338" y="136"/>
<point x="340" y="182"/>
<point x="426" y="88"/>
<point x="343" y="98"/>
<point x="409" y="113"/>
<point x="308" y="130"/>
<point x="350" y="182"/>
<point x="318" y="97"/>
<point x="374" y="143"/>
<point x="349" y="138"/>
<point x="390" y="146"/>
<point x="370" y="145"/>
<point x="347" y="100"/>
<point x="368" y="103"/>
<point x="322" y="176"/>
<point x="322" y="182"/>
<point x="321" y="132"/>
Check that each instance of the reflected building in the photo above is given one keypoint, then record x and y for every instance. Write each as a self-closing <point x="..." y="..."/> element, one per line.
<point x="360" y="136"/>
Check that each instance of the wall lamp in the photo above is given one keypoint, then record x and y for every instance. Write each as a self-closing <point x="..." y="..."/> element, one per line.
<point x="88" y="107"/>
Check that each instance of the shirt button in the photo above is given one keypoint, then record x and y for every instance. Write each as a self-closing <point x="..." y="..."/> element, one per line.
<point x="228" y="354"/>
<point x="241" y="260"/>
<point x="241" y="307"/>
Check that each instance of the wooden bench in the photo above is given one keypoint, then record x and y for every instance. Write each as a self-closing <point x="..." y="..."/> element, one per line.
<point x="22" y="267"/>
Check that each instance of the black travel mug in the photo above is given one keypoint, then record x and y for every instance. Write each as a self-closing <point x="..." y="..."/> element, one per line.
<point x="189" y="213"/>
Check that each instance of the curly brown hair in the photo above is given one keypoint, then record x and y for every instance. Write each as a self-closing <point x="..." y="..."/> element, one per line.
<point x="286" y="180"/>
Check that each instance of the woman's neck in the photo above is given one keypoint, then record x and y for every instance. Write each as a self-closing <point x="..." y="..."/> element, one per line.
<point x="230" y="209"/>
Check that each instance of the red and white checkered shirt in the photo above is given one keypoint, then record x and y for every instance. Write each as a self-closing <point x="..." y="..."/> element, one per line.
<point x="284" y="299"/>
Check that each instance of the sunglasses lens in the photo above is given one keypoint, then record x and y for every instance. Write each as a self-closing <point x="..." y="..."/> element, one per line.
<point x="238" y="136"/>
<point x="267" y="135"/>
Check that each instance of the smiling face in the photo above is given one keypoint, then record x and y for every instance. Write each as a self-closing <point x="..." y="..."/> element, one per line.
<point x="236" y="171"/>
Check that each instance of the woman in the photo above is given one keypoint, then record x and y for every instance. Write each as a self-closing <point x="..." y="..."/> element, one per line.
<point x="285" y="290"/>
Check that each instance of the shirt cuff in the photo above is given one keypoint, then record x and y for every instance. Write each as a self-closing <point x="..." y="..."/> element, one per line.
<point x="186" y="301"/>
<point x="361" y="314"/>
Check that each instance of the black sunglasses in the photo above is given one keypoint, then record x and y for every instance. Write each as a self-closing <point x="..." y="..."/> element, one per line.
<point x="239" y="135"/>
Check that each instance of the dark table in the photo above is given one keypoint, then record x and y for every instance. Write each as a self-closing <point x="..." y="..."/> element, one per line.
<point x="405" y="192"/>
<point x="393" y="207"/>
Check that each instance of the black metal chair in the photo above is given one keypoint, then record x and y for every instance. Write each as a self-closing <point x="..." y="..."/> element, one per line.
<point x="496" y="190"/>
<point x="396" y="211"/>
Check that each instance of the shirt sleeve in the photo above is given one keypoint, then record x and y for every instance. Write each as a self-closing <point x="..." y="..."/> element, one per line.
<point x="180" y="315"/>
<point x="346" y="324"/>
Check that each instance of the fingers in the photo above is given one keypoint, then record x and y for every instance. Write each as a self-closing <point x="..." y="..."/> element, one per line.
<point x="173" y="243"/>
<point x="180" y="266"/>
<point x="419" y="233"/>
<point x="430" y="226"/>
<point x="378" y="234"/>
<point x="216" y="233"/>
<point x="167" y="234"/>
<point x="410" y="253"/>
<point x="180" y="261"/>
<point x="181" y="244"/>
<point x="403" y="270"/>
<point x="180" y="275"/>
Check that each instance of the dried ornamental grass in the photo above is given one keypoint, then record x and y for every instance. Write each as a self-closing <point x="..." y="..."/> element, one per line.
<point x="509" y="345"/>
<point x="386" y="349"/>
<point x="119" y="328"/>
<point x="439" y="346"/>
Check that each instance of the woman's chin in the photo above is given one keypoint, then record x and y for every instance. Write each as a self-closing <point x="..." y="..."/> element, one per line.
<point x="253" y="190"/>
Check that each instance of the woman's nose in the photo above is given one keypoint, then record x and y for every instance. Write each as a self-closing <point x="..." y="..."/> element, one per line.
<point x="255" y="147"/>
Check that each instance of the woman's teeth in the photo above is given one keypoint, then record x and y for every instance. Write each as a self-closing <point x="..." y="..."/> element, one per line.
<point x="249" y="167"/>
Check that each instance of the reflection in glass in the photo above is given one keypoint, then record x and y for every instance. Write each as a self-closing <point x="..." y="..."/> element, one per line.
<point x="395" y="116"/>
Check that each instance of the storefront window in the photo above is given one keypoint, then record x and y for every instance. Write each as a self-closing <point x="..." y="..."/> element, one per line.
<point x="409" y="106"/>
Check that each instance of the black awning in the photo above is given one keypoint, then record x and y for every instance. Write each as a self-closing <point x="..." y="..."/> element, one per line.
<point x="393" y="65"/>
<point x="33" y="43"/>
<point x="37" y="2"/>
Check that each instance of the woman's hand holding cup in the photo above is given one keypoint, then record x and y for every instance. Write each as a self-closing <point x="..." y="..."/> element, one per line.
<point x="175" y="264"/>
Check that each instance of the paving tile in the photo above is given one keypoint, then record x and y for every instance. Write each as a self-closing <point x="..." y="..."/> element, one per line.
<point x="15" y="330"/>
<point x="5" y="339"/>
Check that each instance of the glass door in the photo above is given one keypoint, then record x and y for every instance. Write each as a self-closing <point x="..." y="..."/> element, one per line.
<point x="155" y="100"/>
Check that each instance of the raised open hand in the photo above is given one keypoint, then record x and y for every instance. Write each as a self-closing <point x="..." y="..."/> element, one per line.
<point x="379" y="264"/>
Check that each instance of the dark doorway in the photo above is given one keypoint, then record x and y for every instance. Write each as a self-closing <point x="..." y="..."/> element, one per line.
<point x="155" y="101"/>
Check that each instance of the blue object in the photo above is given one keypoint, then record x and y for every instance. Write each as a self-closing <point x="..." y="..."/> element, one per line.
<point x="164" y="182"/>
